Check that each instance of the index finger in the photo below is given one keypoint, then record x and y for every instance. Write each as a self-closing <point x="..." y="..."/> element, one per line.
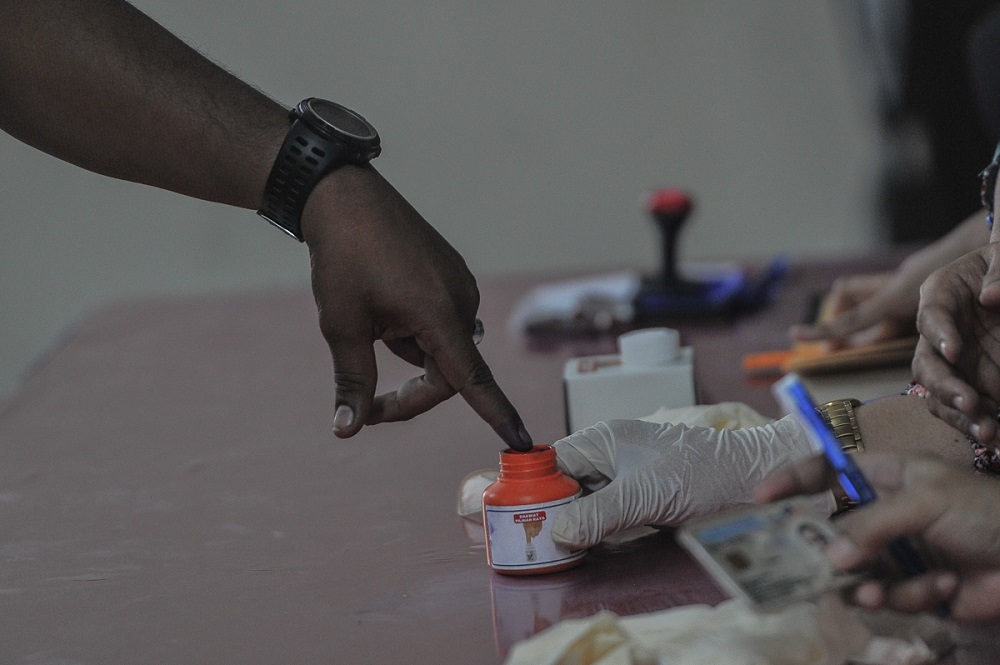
<point x="807" y="476"/>
<point x="842" y="325"/>
<point x="814" y="474"/>
<point x="936" y="323"/>
<point x="465" y="370"/>
<point x="870" y="528"/>
<point x="957" y="401"/>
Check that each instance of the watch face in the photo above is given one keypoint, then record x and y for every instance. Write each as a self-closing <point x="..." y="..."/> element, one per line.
<point x="343" y="119"/>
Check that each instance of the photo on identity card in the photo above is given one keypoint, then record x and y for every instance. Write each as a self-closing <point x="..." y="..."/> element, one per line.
<point x="771" y="554"/>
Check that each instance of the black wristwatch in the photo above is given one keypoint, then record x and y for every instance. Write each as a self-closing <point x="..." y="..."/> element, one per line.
<point x="323" y="136"/>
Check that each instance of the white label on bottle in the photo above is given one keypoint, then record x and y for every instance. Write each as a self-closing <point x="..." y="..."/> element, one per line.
<point x="520" y="536"/>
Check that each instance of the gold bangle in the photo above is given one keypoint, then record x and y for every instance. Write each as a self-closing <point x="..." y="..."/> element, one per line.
<point x="839" y="415"/>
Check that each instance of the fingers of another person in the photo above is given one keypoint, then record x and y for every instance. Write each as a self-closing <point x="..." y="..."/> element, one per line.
<point x="940" y="378"/>
<point x="876" y="525"/>
<point x="969" y="596"/>
<point x="977" y="597"/>
<point x="915" y="594"/>
<point x="937" y="320"/>
<point x="814" y="474"/>
<point x="848" y="292"/>
<point x="807" y="476"/>
<point x="950" y="397"/>
<point x="981" y="426"/>
<point x="862" y="325"/>
<point x="844" y="309"/>
<point x="866" y="309"/>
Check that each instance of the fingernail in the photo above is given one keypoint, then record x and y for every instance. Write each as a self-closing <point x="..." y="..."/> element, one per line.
<point x="974" y="430"/>
<point x="842" y="552"/>
<point x="958" y="401"/>
<point x="945" y="583"/>
<point x="515" y="436"/>
<point x="869" y="594"/>
<point x="942" y="347"/>
<point x="525" y="438"/>
<point x="343" y="418"/>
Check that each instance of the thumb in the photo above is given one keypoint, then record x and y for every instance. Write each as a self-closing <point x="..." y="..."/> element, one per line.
<point x="619" y="506"/>
<point x="843" y="325"/>
<point x="581" y="524"/>
<point x="588" y="456"/>
<point x="354" y="377"/>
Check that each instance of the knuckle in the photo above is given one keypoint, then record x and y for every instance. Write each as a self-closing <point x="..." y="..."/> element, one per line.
<point x="472" y="294"/>
<point x="478" y="375"/>
<point x="464" y="293"/>
<point x="349" y="382"/>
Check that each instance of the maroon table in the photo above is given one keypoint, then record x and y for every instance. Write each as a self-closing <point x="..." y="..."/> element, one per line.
<point x="171" y="492"/>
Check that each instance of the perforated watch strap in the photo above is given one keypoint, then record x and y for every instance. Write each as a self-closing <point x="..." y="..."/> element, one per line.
<point x="303" y="160"/>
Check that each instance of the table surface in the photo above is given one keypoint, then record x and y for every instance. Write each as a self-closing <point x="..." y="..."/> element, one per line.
<point x="171" y="492"/>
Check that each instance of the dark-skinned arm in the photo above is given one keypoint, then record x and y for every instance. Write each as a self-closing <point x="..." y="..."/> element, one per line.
<point x="99" y="84"/>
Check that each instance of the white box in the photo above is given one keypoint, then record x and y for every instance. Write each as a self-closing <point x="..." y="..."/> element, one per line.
<point x="651" y="370"/>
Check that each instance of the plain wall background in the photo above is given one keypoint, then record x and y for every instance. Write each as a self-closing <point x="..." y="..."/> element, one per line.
<point x="528" y="133"/>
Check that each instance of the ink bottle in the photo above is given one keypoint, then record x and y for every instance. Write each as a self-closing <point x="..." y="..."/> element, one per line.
<point x="518" y="510"/>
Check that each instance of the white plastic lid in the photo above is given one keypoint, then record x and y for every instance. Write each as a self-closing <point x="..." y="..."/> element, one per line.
<point x="652" y="347"/>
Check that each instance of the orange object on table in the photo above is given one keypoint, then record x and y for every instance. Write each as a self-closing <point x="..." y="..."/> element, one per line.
<point x="814" y="358"/>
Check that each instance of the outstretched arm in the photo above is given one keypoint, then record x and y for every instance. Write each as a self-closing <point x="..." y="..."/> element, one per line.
<point x="869" y="308"/>
<point x="641" y="473"/>
<point x="99" y="84"/>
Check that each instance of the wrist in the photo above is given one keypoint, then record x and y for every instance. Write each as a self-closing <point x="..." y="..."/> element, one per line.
<point x="903" y="424"/>
<point x="265" y="144"/>
<point x="338" y="199"/>
<point x="322" y="137"/>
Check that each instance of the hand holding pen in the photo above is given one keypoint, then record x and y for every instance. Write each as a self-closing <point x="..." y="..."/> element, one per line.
<point x="955" y="516"/>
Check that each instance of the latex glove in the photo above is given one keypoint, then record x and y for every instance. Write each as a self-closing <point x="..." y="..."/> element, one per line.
<point x="644" y="473"/>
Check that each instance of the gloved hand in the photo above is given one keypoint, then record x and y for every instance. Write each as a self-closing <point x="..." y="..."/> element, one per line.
<point x="642" y="473"/>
